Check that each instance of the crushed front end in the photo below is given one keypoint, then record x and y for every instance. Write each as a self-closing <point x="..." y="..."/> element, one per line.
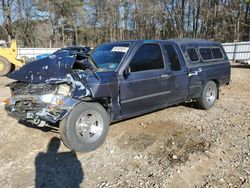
<point x="39" y="102"/>
<point x="48" y="89"/>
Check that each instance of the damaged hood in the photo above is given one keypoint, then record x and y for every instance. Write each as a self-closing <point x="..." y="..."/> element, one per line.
<point x="52" y="69"/>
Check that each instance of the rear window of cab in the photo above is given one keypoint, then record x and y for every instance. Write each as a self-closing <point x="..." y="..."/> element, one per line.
<point x="205" y="53"/>
<point x="192" y="54"/>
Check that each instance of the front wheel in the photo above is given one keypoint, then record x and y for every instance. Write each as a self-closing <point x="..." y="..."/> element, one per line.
<point x="85" y="128"/>
<point x="208" y="96"/>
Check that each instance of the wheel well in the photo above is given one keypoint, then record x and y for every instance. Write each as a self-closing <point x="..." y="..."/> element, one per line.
<point x="105" y="102"/>
<point x="218" y="86"/>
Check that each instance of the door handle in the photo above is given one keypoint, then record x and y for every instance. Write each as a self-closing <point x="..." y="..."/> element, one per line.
<point x="165" y="76"/>
<point x="195" y="73"/>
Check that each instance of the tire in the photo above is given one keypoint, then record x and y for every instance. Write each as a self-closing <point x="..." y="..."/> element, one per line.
<point x="208" y="96"/>
<point x="85" y="128"/>
<point x="5" y="66"/>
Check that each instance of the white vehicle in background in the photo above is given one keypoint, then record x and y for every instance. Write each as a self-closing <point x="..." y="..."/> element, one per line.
<point x="3" y="43"/>
<point x="246" y="62"/>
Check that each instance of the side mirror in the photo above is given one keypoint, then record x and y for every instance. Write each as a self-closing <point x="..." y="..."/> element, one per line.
<point x="127" y="72"/>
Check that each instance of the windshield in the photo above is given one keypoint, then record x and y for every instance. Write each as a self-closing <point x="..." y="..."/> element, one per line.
<point x="108" y="56"/>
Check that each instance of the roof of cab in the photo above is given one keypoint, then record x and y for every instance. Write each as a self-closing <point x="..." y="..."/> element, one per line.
<point x="179" y="41"/>
<point x="186" y="41"/>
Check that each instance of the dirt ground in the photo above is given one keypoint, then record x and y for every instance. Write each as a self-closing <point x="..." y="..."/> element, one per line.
<point x="179" y="146"/>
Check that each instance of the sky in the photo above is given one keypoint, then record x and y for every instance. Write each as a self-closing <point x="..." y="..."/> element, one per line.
<point x="1" y="18"/>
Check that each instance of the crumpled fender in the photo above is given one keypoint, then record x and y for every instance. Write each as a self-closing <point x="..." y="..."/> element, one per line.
<point x="52" y="69"/>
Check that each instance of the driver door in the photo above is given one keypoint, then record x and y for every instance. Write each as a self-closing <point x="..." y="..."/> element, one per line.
<point x="143" y="88"/>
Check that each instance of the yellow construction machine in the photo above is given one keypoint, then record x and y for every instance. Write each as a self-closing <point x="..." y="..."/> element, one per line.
<point x="8" y="57"/>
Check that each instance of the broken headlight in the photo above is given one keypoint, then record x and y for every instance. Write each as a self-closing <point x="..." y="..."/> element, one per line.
<point x="63" y="89"/>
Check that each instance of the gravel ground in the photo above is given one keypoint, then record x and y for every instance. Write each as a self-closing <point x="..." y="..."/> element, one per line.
<point x="179" y="146"/>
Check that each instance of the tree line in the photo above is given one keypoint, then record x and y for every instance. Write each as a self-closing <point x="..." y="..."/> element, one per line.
<point x="59" y="23"/>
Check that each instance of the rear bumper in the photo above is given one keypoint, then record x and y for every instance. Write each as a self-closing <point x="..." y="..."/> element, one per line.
<point x="50" y="108"/>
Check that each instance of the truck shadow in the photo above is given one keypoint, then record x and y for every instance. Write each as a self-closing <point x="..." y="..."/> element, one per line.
<point x="190" y="105"/>
<point x="48" y="128"/>
<point x="244" y="66"/>
<point x="57" y="169"/>
<point x="144" y="114"/>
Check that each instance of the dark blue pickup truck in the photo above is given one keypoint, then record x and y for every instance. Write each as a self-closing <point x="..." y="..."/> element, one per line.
<point x="86" y="92"/>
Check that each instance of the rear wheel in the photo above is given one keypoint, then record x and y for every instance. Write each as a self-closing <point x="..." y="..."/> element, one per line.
<point x="5" y="66"/>
<point x="85" y="128"/>
<point x="208" y="96"/>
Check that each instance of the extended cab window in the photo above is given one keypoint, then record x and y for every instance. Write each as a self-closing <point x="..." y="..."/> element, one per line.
<point x="206" y="53"/>
<point x="172" y="57"/>
<point x="192" y="54"/>
<point x="148" y="57"/>
<point x="217" y="53"/>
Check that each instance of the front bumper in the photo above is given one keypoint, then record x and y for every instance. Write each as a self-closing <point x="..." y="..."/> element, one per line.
<point x="50" y="108"/>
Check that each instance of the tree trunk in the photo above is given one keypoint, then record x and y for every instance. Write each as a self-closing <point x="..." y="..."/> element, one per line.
<point x="7" y="22"/>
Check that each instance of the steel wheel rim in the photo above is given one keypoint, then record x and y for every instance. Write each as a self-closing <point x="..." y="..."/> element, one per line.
<point x="210" y="95"/>
<point x="89" y="126"/>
